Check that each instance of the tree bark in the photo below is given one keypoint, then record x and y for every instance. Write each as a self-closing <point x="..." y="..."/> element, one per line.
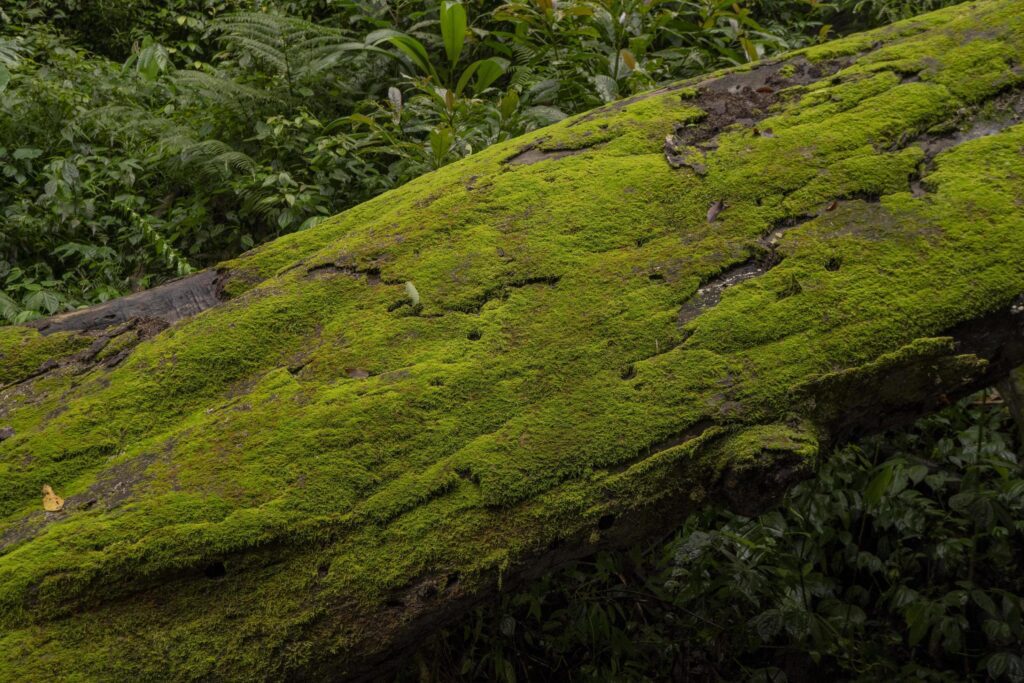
<point x="298" y="464"/>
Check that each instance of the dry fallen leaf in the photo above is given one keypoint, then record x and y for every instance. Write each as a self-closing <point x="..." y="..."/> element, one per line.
<point x="51" y="501"/>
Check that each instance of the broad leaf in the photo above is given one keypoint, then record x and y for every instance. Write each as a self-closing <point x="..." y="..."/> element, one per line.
<point x="453" y="29"/>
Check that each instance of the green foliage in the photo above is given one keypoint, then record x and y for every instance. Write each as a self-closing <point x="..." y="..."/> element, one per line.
<point x="900" y="559"/>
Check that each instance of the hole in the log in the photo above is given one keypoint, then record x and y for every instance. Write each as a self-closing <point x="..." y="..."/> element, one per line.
<point x="394" y="603"/>
<point x="709" y="294"/>
<point x="628" y="372"/>
<point x="833" y="264"/>
<point x="215" y="570"/>
<point x="656" y="277"/>
<point x="452" y="581"/>
<point x="606" y="522"/>
<point x="296" y="368"/>
<point x="323" y="570"/>
<point x="474" y="335"/>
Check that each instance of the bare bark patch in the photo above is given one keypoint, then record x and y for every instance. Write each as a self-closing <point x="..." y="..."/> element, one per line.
<point x="168" y="302"/>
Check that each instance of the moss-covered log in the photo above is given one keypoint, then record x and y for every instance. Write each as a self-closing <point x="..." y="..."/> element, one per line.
<point x="566" y="341"/>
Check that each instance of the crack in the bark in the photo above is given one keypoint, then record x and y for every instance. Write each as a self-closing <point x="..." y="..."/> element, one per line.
<point x="1009" y="106"/>
<point x="687" y="435"/>
<point x="709" y="294"/>
<point x="533" y="153"/>
<point x="142" y="328"/>
<point x="501" y="291"/>
<point x="371" y="274"/>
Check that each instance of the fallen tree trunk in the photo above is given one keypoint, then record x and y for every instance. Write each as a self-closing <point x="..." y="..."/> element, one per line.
<point x="298" y="465"/>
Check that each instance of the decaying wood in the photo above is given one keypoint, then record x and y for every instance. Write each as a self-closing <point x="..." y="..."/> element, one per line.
<point x="170" y="302"/>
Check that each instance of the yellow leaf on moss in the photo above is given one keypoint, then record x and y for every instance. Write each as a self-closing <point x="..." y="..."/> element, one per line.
<point x="51" y="501"/>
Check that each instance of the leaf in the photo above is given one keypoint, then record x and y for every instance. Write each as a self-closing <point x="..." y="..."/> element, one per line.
<point x="414" y="50"/>
<point x="878" y="485"/>
<point x="768" y="625"/>
<point x="487" y="71"/>
<point x="466" y="75"/>
<point x="380" y="35"/>
<point x="982" y="600"/>
<point x="453" y="29"/>
<point x="607" y="88"/>
<point x="5" y="77"/>
<point x="43" y="300"/>
<point x="545" y="115"/>
<point x="51" y="501"/>
<point x="395" y="97"/>
<point x="8" y="307"/>
<point x="918" y="621"/>
<point x="749" y="49"/>
<point x="628" y="58"/>
<point x="508" y="105"/>
<point x="410" y="291"/>
<point x="27" y="153"/>
<point x="544" y="92"/>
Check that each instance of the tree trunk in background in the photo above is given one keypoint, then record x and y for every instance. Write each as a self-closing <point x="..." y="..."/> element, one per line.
<point x="300" y="464"/>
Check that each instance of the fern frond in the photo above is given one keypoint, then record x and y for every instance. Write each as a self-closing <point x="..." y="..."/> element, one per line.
<point x="216" y="89"/>
<point x="169" y="257"/>
<point x="265" y="53"/>
<point x="10" y="53"/>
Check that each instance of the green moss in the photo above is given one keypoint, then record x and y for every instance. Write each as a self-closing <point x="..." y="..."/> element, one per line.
<point x="23" y="351"/>
<point x="331" y="449"/>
